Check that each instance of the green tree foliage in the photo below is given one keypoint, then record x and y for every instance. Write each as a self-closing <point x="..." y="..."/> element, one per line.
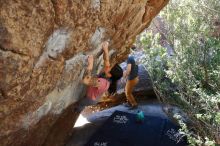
<point x="191" y="77"/>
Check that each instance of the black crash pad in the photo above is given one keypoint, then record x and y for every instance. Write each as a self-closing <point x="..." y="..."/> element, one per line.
<point x="122" y="129"/>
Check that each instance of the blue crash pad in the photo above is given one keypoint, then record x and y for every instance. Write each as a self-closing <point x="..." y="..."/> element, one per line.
<point x="122" y="129"/>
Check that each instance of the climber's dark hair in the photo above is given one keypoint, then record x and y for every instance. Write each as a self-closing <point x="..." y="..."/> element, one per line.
<point x="117" y="73"/>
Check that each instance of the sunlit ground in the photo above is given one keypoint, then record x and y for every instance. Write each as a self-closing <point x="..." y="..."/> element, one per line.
<point x="81" y="121"/>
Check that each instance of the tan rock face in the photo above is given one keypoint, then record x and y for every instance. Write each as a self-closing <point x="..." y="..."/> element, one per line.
<point x="42" y="55"/>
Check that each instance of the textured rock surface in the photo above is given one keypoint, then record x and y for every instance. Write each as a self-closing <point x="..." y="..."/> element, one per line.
<point x="42" y="53"/>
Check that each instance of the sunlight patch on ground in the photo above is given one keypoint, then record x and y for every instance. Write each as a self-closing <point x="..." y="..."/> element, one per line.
<point x="81" y="121"/>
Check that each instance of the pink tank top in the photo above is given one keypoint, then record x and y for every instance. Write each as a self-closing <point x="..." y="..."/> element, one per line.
<point x="95" y="92"/>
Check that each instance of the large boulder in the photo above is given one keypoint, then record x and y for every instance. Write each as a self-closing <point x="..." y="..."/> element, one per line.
<point x="42" y="55"/>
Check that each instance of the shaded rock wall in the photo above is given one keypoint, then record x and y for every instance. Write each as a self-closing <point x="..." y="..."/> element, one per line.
<point x="42" y="55"/>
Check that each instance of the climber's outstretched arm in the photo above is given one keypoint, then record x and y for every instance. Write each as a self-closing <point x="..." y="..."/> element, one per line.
<point x="105" y="54"/>
<point x="89" y="79"/>
<point x="106" y="59"/>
